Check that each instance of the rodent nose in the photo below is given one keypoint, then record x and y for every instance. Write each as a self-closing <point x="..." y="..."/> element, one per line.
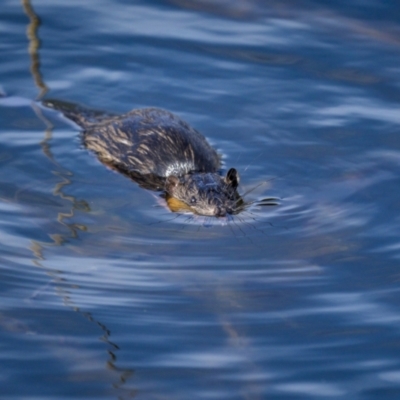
<point x="220" y="211"/>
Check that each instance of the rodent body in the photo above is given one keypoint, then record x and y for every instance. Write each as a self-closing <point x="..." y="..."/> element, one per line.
<point x="160" y="151"/>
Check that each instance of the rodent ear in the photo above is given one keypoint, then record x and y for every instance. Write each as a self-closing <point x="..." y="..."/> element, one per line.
<point x="171" y="182"/>
<point x="232" y="178"/>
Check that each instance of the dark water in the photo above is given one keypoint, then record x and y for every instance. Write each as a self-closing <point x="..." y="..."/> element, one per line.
<point x="106" y="295"/>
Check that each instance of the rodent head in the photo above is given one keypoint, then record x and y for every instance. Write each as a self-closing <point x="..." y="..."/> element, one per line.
<point x="206" y="193"/>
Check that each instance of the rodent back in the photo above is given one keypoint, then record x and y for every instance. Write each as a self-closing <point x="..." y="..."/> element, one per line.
<point x="151" y="142"/>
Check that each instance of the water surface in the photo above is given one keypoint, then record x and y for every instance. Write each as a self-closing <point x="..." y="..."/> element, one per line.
<point x="108" y="295"/>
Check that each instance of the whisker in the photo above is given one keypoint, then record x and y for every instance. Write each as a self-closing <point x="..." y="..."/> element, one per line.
<point x="254" y="219"/>
<point x="262" y="183"/>
<point x="252" y="189"/>
<point x="272" y="201"/>
<point x="158" y="206"/>
<point x="253" y="161"/>
<point x="268" y="222"/>
<point x="252" y="226"/>
<point x="244" y="234"/>
<point x="208" y="222"/>
<point x="233" y="232"/>
<point x="188" y="218"/>
<point x="240" y="229"/>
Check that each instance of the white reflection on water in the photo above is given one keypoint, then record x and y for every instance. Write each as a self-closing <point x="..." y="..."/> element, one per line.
<point x="181" y="24"/>
<point x="355" y="108"/>
<point x="311" y="389"/>
<point x="215" y="358"/>
<point x="359" y="309"/>
<point x="15" y="101"/>
<point x="390" y="376"/>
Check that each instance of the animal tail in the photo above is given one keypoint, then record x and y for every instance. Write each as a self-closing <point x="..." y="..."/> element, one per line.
<point x="82" y="116"/>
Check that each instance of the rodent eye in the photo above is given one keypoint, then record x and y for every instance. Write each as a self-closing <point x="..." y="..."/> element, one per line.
<point x="193" y="200"/>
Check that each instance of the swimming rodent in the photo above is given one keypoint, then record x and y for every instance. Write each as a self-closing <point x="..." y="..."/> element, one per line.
<point x="159" y="151"/>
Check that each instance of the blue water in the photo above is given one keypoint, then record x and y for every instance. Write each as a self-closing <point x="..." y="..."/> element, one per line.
<point x="106" y="294"/>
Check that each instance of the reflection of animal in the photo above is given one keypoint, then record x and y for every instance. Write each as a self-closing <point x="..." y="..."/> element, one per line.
<point x="161" y="152"/>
